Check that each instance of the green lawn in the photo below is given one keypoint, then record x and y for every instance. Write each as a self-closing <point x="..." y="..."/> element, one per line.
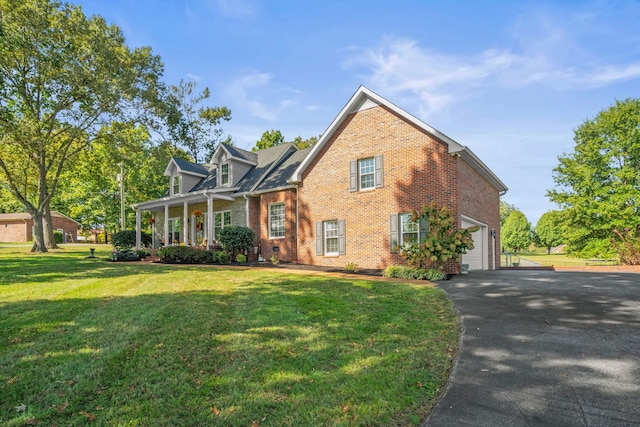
<point x="87" y="341"/>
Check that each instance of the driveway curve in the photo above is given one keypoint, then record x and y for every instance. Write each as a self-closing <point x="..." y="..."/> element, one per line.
<point x="544" y="348"/>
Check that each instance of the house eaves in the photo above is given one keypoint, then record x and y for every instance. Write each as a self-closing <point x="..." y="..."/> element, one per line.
<point x="236" y="154"/>
<point x="176" y="200"/>
<point x="363" y="99"/>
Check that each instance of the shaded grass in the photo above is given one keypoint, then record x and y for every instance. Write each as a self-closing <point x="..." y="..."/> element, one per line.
<point x="88" y="341"/>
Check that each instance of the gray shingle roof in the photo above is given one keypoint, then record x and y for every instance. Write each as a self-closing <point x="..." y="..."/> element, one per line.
<point x="274" y="167"/>
<point x="187" y="166"/>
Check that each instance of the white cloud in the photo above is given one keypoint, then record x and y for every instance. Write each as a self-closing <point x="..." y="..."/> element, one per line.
<point x="543" y="50"/>
<point x="248" y="91"/>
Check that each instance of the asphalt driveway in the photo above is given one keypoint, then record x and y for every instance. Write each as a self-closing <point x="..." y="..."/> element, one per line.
<point x="544" y="348"/>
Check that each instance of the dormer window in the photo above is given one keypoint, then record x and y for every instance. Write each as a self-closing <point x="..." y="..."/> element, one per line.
<point x="176" y="184"/>
<point x="224" y="174"/>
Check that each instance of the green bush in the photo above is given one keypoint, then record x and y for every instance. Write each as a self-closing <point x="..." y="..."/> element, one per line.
<point x="352" y="267"/>
<point x="127" y="239"/>
<point x="126" y="254"/>
<point x="236" y="239"/>
<point x="404" y="272"/>
<point x="241" y="258"/>
<point x="223" y="257"/>
<point x="58" y="237"/>
<point x="185" y="255"/>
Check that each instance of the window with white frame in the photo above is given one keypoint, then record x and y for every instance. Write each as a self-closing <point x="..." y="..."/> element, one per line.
<point x="403" y="230"/>
<point x="221" y="220"/>
<point x="224" y="174"/>
<point x="409" y="230"/>
<point x="331" y="237"/>
<point x="176" y="184"/>
<point x="366" y="172"/>
<point x="276" y="220"/>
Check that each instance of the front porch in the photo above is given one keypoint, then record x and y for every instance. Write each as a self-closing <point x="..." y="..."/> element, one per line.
<point x="191" y="220"/>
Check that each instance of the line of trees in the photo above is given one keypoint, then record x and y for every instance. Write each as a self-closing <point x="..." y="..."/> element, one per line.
<point x="597" y="191"/>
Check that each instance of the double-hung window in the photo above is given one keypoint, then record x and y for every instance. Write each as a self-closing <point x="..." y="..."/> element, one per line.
<point x="409" y="230"/>
<point x="366" y="173"/>
<point x="220" y="221"/>
<point x="176" y="184"/>
<point x="403" y="230"/>
<point x="276" y="220"/>
<point x="224" y="174"/>
<point x="331" y="238"/>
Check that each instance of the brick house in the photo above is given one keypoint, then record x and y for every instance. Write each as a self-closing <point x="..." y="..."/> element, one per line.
<point x="18" y="227"/>
<point x="346" y="200"/>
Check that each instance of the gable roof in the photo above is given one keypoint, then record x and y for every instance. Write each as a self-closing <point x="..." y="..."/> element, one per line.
<point x="185" y="166"/>
<point x="235" y="153"/>
<point x="364" y="98"/>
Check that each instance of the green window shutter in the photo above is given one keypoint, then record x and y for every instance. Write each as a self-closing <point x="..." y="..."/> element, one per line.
<point x="353" y="176"/>
<point x="319" y="245"/>
<point x="424" y="229"/>
<point x="394" y="237"/>
<point x="379" y="178"/>
<point x="342" y="241"/>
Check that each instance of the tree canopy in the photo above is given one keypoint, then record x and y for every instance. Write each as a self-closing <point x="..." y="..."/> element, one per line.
<point x="189" y="124"/>
<point x="598" y="184"/>
<point x="271" y="138"/>
<point x="63" y="76"/>
<point x="549" y="230"/>
<point x="516" y="232"/>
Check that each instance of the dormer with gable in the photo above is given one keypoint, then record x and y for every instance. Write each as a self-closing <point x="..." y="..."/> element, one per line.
<point x="183" y="175"/>
<point x="232" y="164"/>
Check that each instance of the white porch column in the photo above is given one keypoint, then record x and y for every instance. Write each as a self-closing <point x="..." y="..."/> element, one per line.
<point x="138" y="237"/>
<point x="166" y="226"/>
<point x="185" y="223"/>
<point x="209" y="220"/>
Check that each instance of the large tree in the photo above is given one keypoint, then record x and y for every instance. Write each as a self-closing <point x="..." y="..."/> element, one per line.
<point x="516" y="232"/>
<point x="62" y="77"/>
<point x="598" y="185"/>
<point x="187" y="123"/>
<point x="549" y="230"/>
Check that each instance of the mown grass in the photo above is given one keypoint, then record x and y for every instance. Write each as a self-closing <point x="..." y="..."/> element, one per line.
<point x="86" y="341"/>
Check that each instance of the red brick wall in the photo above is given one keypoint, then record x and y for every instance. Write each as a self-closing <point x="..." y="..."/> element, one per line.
<point x="417" y="169"/>
<point x="20" y="230"/>
<point x="481" y="201"/>
<point x="14" y="231"/>
<point x="287" y="245"/>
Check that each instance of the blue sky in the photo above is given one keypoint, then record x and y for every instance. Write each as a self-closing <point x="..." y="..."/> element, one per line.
<point x="509" y="79"/>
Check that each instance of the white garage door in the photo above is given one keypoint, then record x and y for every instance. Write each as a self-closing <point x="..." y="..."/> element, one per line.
<point x="477" y="258"/>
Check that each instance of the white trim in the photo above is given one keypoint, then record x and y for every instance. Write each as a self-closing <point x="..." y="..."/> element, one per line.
<point x="284" y="222"/>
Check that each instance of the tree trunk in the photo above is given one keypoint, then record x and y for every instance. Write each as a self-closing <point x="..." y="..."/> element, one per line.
<point x="38" y="234"/>
<point x="47" y="224"/>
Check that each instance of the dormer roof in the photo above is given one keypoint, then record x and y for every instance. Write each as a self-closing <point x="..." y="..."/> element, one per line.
<point x="233" y="153"/>
<point x="177" y="165"/>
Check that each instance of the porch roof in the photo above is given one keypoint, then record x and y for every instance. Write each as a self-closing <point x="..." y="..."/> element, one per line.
<point x="195" y="197"/>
